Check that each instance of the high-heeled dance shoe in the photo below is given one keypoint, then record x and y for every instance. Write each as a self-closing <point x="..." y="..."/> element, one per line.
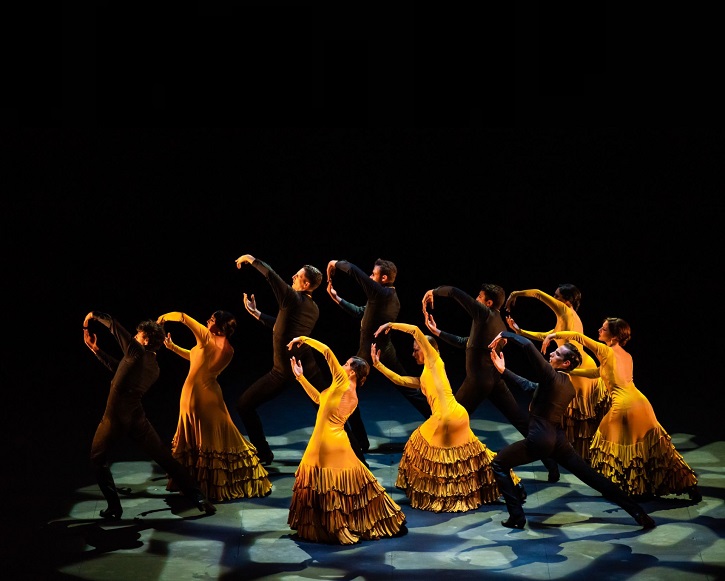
<point x="554" y="475"/>
<point x="111" y="513"/>
<point x="204" y="504"/>
<point x="521" y="492"/>
<point x="694" y="493"/>
<point x="266" y="459"/>
<point x="512" y="523"/>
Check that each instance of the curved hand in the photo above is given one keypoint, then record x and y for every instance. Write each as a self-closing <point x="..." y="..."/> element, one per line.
<point x="89" y="338"/>
<point x="511" y="301"/>
<point x="168" y="343"/>
<point x="296" y="341"/>
<point x="431" y="324"/>
<point x="331" y="269"/>
<point x="332" y="292"/>
<point x="546" y="342"/>
<point x="511" y="323"/>
<point x="498" y="360"/>
<point x="497" y="340"/>
<point x="427" y="300"/>
<point x="251" y="305"/>
<point x="374" y="354"/>
<point x="384" y="328"/>
<point x="244" y="258"/>
<point x="296" y="366"/>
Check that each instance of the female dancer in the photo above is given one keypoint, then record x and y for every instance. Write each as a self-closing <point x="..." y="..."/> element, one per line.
<point x="592" y="399"/>
<point x="444" y="467"/>
<point x="335" y="497"/>
<point x="630" y="446"/>
<point x="206" y="441"/>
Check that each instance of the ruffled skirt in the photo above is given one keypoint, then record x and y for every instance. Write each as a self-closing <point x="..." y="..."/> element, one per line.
<point x="452" y="479"/>
<point x="581" y="420"/>
<point x="225" y="475"/>
<point x="342" y="506"/>
<point x="650" y="466"/>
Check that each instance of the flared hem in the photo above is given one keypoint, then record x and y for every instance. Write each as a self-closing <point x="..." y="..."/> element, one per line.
<point x="342" y="506"/>
<point x="227" y="475"/>
<point x="650" y="466"/>
<point x="455" y="479"/>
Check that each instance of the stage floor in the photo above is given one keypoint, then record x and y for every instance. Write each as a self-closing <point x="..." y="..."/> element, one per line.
<point x="572" y="532"/>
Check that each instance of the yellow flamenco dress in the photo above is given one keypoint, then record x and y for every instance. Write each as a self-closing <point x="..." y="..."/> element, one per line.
<point x="444" y="466"/>
<point x="335" y="497"/>
<point x="630" y="447"/>
<point x="207" y="442"/>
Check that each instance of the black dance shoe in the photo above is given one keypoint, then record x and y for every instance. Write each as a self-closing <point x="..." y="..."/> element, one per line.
<point x="203" y="503"/>
<point x="266" y="459"/>
<point x="111" y="513"/>
<point x="402" y="531"/>
<point x="206" y="506"/>
<point x="694" y="493"/>
<point x="554" y="475"/>
<point x="512" y="523"/>
<point x="644" y="520"/>
<point x="521" y="492"/>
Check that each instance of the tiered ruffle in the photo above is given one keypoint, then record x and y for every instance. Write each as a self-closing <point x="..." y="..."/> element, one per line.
<point x="591" y="402"/>
<point x="651" y="466"/>
<point x="225" y="475"/>
<point x="342" y="506"/>
<point x="455" y="479"/>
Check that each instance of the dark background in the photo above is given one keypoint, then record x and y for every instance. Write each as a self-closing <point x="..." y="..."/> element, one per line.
<point x="515" y="145"/>
<point x="141" y="222"/>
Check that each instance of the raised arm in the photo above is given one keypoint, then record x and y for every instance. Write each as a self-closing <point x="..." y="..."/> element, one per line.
<point x="91" y="340"/>
<point x="599" y="349"/>
<point x="298" y="372"/>
<point x="405" y="380"/>
<point x="429" y="352"/>
<point x="511" y="378"/>
<point x="449" y="338"/>
<point x="338" y="373"/>
<point x="541" y="368"/>
<point x="195" y="326"/>
<point x="250" y="304"/>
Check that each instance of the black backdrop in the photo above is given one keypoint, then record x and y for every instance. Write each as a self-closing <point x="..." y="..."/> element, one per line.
<point x="140" y="222"/>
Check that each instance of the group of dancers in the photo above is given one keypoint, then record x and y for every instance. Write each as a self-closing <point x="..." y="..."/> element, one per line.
<point x="586" y="413"/>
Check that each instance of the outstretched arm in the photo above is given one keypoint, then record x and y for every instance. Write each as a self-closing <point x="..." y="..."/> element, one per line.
<point x="351" y="309"/>
<point x="449" y="338"/>
<point x="244" y="259"/>
<point x="407" y="381"/>
<point x="200" y="331"/>
<point x="250" y="304"/>
<point x="91" y="340"/>
<point x="299" y="376"/>
<point x="174" y="348"/>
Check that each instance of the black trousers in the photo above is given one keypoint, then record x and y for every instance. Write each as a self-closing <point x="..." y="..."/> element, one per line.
<point x="486" y="383"/>
<point x="548" y="439"/>
<point x="268" y="387"/>
<point x="128" y="419"/>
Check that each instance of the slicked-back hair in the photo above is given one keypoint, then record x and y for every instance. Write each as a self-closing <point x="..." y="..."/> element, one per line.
<point x="620" y="329"/>
<point x="361" y="369"/>
<point x="494" y="293"/>
<point x="226" y="322"/>
<point x="570" y="293"/>
<point x="154" y="333"/>
<point x="572" y="354"/>
<point x="388" y="269"/>
<point x="313" y="276"/>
